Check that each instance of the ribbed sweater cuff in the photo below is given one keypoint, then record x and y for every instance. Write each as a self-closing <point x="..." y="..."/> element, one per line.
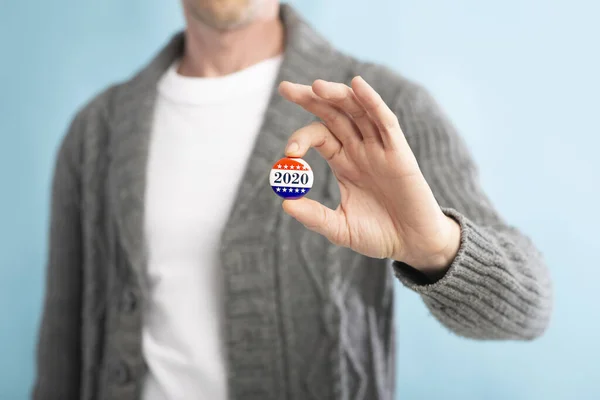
<point x="475" y="250"/>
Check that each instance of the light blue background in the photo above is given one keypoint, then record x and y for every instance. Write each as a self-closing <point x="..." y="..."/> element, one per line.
<point x="518" y="77"/>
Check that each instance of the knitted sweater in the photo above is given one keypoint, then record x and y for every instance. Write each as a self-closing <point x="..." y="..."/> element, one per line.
<point x="304" y="319"/>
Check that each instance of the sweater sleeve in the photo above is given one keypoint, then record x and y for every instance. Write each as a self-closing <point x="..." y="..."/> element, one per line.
<point x="498" y="286"/>
<point x="59" y="342"/>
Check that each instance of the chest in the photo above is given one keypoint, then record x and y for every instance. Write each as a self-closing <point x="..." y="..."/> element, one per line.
<point x="196" y="158"/>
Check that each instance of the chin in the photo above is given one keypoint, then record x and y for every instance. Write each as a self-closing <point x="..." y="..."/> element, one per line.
<point x="225" y="14"/>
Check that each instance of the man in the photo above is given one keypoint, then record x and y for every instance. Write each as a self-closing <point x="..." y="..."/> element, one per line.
<point x="174" y="273"/>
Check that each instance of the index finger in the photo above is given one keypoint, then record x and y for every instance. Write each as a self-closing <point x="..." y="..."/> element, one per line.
<point x="319" y="137"/>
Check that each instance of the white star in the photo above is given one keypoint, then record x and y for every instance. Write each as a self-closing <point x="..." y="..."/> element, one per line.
<point x="279" y="189"/>
<point x="297" y="190"/>
<point x="285" y="166"/>
<point x="297" y="167"/>
<point x="284" y="190"/>
<point x="303" y="190"/>
<point x="279" y="166"/>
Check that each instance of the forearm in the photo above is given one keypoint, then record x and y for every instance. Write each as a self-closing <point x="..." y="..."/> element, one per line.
<point x="497" y="287"/>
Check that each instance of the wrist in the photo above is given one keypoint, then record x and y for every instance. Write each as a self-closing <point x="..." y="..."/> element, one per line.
<point x="435" y="264"/>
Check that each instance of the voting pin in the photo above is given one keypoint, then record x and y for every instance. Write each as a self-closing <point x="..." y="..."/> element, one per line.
<point x="291" y="178"/>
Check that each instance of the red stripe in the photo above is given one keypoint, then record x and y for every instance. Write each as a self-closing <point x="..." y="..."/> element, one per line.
<point x="291" y="164"/>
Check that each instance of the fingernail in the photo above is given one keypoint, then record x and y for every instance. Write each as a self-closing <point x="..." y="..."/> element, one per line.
<point x="365" y="81"/>
<point x="292" y="147"/>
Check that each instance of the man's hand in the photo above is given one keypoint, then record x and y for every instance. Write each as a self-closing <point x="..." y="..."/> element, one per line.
<point x="387" y="209"/>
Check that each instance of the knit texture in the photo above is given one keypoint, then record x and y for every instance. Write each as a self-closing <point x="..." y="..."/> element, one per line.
<point x="304" y="319"/>
<point x="497" y="287"/>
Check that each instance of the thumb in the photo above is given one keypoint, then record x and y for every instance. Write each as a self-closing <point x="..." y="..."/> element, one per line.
<point x="316" y="217"/>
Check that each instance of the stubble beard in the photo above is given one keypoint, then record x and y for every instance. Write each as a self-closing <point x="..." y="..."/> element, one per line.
<point x="226" y="18"/>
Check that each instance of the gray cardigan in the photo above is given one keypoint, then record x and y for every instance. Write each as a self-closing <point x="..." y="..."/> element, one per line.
<point x="305" y="319"/>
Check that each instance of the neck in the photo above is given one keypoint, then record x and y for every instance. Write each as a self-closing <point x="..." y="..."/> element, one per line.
<point x="210" y="52"/>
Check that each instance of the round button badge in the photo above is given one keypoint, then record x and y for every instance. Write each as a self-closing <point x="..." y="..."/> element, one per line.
<point x="291" y="178"/>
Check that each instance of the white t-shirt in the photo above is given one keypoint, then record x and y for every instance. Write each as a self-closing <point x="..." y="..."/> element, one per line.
<point x="197" y="123"/>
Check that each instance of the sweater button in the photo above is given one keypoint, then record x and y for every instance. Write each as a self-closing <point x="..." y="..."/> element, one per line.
<point x="119" y="373"/>
<point x="129" y="301"/>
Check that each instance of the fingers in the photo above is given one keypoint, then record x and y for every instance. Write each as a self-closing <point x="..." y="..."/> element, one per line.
<point x="343" y="109"/>
<point x="384" y="118"/>
<point x="338" y="122"/>
<point x="314" y="135"/>
<point x="316" y="217"/>
<point x="343" y="97"/>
